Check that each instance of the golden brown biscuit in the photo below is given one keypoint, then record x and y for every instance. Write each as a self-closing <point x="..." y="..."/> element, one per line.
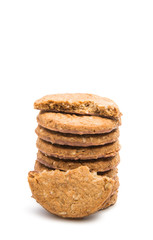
<point x="76" y="140"/>
<point x="76" y="124"/>
<point x="111" y="174"/>
<point x="99" y="165"/>
<point x="40" y="167"/>
<point x="77" y="153"/>
<point x="73" y="194"/>
<point x="80" y="103"/>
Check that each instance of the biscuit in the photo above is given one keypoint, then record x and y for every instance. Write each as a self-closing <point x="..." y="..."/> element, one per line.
<point x="76" y="124"/>
<point x="41" y="167"/>
<point x="99" y="165"/>
<point x="111" y="174"/>
<point x="77" y="153"/>
<point x="79" y="103"/>
<point x="73" y="194"/>
<point x="76" y="140"/>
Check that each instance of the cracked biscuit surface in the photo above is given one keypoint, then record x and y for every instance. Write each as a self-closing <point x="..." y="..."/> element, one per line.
<point x="40" y="167"/>
<point x="76" y="124"/>
<point x="73" y="194"/>
<point x="76" y="140"/>
<point x="77" y="153"/>
<point x="111" y="174"/>
<point x="99" y="165"/>
<point x="80" y="103"/>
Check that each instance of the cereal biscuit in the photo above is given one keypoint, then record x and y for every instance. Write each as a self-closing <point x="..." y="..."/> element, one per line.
<point x="76" y="140"/>
<point x="79" y="103"/>
<point x="99" y="165"/>
<point x="41" y="167"/>
<point x="76" y="124"/>
<point x="73" y="194"/>
<point x="77" y="153"/>
<point x="111" y="174"/>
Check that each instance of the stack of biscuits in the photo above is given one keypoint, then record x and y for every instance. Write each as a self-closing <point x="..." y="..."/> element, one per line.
<point x="75" y="173"/>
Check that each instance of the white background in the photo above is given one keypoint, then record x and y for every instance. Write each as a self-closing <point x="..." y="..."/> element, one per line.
<point x="101" y="47"/>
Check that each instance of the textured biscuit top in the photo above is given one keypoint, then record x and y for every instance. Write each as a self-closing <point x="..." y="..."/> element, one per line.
<point x="111" y="174"/>
<point x="74" y="194"/>
<point x="71" y="123"/>
<point x="79" y="103"/>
